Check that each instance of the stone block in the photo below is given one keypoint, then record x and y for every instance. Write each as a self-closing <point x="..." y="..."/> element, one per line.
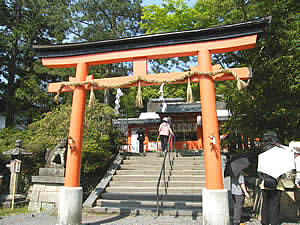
<point x="51" y="188"/>
<point x="58" y="188"/>
<point x="34" y="206"/>
<point x="38" y="187"/>
<point x="215" y="207"/>
<point x="57" y="172"/>
<point x="48" y="179"/>
<point x="35" y="196"/>
<point x="70" y="206"/>
<point x="49" y="197"/>
<point x="48" y="207"/>
<point x="45" y="191"/>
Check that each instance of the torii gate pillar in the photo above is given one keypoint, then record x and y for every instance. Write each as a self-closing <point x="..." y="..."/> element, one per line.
<point x="214" y="198"/>
<point x="70" y="211"/>
<point x="210" y="124"/>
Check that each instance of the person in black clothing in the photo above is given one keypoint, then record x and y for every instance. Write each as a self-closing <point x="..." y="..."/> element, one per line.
<point x="270" y="211"/>
<point x="141" y="139"/>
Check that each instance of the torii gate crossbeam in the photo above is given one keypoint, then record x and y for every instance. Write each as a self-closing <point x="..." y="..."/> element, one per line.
<point x="202" y="43"/>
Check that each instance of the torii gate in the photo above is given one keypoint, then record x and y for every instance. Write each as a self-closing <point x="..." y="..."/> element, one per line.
<point x="201" y="42"/>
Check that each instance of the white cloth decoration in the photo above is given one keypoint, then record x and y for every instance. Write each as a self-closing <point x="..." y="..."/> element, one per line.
<point x="117" y="101"/>
<point x="164" y="107"/>
<point x="161" y="98"/>
<point x="161" y="91"/>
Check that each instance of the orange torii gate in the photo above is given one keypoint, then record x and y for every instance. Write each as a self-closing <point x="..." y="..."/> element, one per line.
<point x="202" y="42"/>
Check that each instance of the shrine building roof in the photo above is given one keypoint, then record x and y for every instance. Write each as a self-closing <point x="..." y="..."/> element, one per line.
<point x="179" y="108"/>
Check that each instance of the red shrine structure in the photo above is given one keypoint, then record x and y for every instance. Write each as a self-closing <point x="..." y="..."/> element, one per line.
<point x="200" y="42"/>
<point x="184" y="118"/>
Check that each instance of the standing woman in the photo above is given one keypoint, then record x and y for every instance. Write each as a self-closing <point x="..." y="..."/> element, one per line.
<point x="270" y="211"/>
<point x="239" y="191"/>
<point x="164" y="132"/>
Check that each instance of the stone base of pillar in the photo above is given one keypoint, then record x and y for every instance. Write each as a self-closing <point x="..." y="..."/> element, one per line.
<point x="215" y="207"/>
<point x="70" y="206"/>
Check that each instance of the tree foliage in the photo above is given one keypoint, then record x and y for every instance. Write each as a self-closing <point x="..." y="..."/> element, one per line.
<point x="177" y="15"/>
<point x="24" y="23"/>
<point x="23" y="81"/>
<point x="271" y="102"/>
<point x="106" y="20"/>
<point x="100" y="140"/>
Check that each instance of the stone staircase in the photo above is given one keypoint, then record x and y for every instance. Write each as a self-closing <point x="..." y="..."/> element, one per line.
<point x="132" y="189"/>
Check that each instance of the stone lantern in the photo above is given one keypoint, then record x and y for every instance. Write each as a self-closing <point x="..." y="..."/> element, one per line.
<point x="17" y="152"/>
<point x="15" y="168"/>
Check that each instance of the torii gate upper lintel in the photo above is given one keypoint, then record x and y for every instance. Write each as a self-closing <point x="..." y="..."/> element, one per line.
<point x="202" y="43"/>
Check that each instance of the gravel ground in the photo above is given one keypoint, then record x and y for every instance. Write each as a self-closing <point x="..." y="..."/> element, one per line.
<point x="110" y="219"/>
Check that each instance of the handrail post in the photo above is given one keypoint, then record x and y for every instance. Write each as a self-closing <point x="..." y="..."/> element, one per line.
<point x="163" y="170"/>
<point x="168" y="149"/>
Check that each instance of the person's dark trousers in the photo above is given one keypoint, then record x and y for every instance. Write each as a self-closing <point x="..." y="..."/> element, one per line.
<point x="270" y="211"/>
<point x="141" y="146"/>
<point x="164" y="141"/>
<point x="238" y="202"/>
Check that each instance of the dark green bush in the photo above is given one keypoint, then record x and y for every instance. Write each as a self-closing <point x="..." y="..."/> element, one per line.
<point x="100" y="141"/>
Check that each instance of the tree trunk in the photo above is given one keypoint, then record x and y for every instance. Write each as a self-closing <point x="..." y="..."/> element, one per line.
<point x="10" y="105"/>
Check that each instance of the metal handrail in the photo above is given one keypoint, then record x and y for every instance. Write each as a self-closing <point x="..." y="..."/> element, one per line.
<point x="172" y="143"/>
<point x="163" y="169"/>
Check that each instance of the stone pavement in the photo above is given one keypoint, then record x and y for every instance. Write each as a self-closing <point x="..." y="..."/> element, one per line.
<point x="115" y="219"/>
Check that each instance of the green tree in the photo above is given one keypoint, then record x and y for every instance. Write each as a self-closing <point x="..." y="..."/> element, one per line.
<point x="106" y="20"/>
<point x="22" y="24"/>
<point x="170" y="16"/>
<point x="100" y="140"/>
<point x="176" y="15"/>
<point x="271" y="102"/>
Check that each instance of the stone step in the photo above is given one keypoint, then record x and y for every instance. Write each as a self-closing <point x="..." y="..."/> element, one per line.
<point x="133" y="188"/>
<point x="152" y="197"/>
<point x="149" y="204"/>
<point x="161" y="154"/>
<point x="160" y="160"/>
<point x="154" y="184"/>
<point x="195" y="172"/>
<point x="141" y="166"/>
<point x="146" y="159"/>
<point x="135" y="177"/>
<point x="190" y="159"/>
<point x="198" y="177"/>
<point x="138" y="158"/>
<point x="140" y="184"/>
<point x="170" y="190"/>
<point x="156" y="172"/>
<point x="155" y="178"/>
<point x="146" y="211"/>
<point x="138" y="172"/>
<point x="158" y="167"/>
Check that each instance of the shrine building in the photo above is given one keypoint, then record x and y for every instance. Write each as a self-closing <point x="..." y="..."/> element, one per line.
<point x="184" y="118"/>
